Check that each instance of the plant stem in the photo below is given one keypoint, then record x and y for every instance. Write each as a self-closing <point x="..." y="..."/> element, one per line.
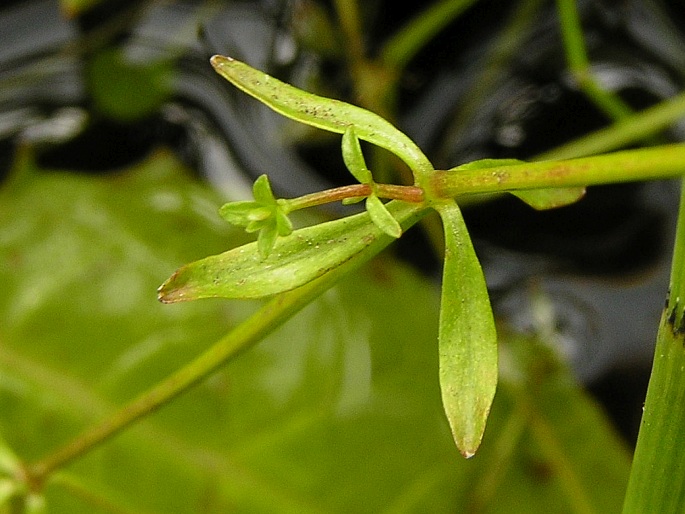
<point x="348" y="15"/>
<point x="657" y="478"/>
<point x="579" y="63"/>
<point x="411" y="194"/>
<point x="404" y="45"/>
<point x="658" y="162"/>
<point x="489" y="73"/>
<point x="265" y="320"/>
<point x="634" y="128"/>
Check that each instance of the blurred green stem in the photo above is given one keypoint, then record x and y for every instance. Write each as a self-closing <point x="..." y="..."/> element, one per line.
<point x="629" y="130"/>
<point x="265" y="320"/>
<point x="657" y="479"/>
<point x="350" y="23"/>
<point x="490" y="72"/>
<point x="579" y="63"/>
<point x="414" y="36"/>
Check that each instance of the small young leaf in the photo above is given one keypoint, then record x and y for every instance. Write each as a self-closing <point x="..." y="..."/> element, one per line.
<point x="240" y="213"/>
<point x="283" y="223"/>
<point x="257" y="225"/>
<point x="261" y="190"/>
<point x="354" y="158"/>
<point x="323" y="113"/>
<point x="467" y="337"/>
<point x="267" y="239"/>
<point x="259" y="214"/>
<point x="295" y="260"/>
<point x="382" y="218"/>
<point x="539" y="199"/>
<point x="353" y="200"/>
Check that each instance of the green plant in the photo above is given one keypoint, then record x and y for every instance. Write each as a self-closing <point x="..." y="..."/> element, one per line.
<point x="293" y="267"/>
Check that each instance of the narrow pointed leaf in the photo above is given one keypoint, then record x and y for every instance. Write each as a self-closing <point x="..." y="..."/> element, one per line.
<point x="467" y="337"/>
<point x="295" y="260"/>
<point x="324" y="113"/>
<point x="539" y="199"/>
<point x="354" y="158"/>
<point x="382" y="218"/>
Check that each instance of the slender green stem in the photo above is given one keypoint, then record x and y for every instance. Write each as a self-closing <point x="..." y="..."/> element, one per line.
<point x="579" y="63"/>
<point x="508" y="439"/>
<point x="265" y="320"/>
<point x="657" y="162"/>
<point x="657" y="478"/>
<point x="572" y="33"/>
<point x="348" y="15"/>
<point x="493" y="67"/>
<point x="634" y="128"/>
<point x="559" y="460"/>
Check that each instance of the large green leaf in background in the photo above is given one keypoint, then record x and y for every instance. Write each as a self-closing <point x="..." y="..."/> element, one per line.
<point x="338" y="411"/>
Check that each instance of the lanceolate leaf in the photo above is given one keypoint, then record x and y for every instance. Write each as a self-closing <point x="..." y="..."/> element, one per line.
<point x="540" y="199"/>
<point x="295" y="260"/>
<point x="324" y="113"/>
<point x="467" y="337"/>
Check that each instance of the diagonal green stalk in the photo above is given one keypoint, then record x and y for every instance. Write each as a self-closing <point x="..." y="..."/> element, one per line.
<point x="404" y="45"/>
<point x="579" y="63"/>
<point x="657" y="479"/>
<point x="638" y="126"/>
<point x="494" y="66"/>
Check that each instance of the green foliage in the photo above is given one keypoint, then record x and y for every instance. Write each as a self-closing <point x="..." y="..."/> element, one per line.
<point x="264" y="215"/>
<point x="467" y="336"/>
<point x="658" y="477"/>
<point x="324" y="113"/>
<point x="338" y="410"/>
<point x="308" y="253"/>
<point x="354" y="158"/>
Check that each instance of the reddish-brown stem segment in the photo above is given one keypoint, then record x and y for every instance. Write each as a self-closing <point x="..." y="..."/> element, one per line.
<point x="411" y="194"/>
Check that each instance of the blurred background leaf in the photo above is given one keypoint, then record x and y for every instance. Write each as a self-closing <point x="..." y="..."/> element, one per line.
<point x="126" y="90"/>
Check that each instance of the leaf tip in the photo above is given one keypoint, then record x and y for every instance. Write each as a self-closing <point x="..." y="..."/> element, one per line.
<point x="217" y="60"/>
<point x="174" y="289"/>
